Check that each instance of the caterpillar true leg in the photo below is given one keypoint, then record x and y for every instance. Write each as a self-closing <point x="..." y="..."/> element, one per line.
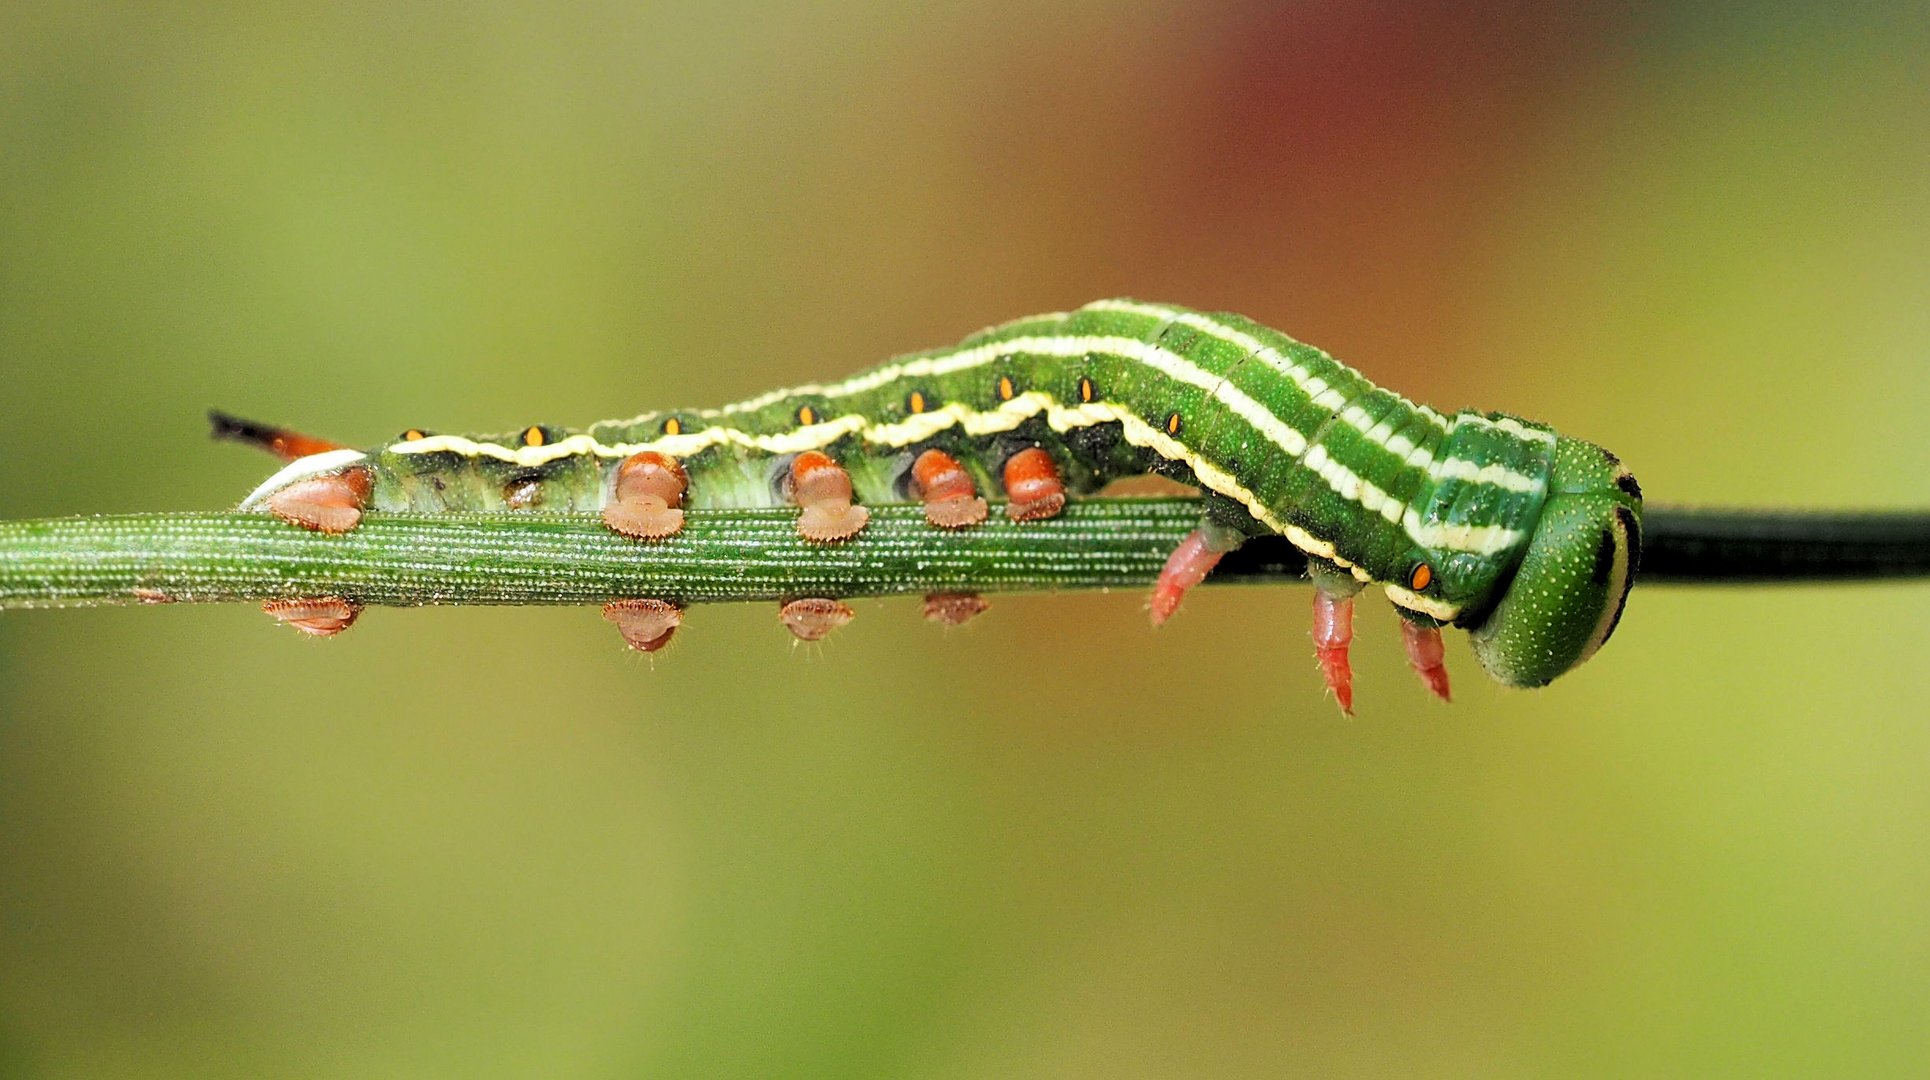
<point x="1188" y="565"/>
<point x="823" y="489"/>
<point x="644" y="623"/>
<point x="1334" y="590"/>
<point x="1426" y="655"/>
<point x="954" y="609"/>
<point x="330" y="503"/>
<point x="950" y="495"/>
<point x="648" y="497"/>
<point x="321" y="616"/>
<point x="1033" y="485"/>
<point x="813" y="617"/>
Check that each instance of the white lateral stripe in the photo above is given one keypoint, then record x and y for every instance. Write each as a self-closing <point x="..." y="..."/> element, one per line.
<point x="1280" y="433"/>
<point x="1494" y="475"/>
<point x="1176" y="367"/>
<point x="1315" y="387"/>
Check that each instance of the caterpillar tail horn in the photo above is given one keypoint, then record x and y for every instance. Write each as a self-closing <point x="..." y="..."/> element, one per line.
<point x="281" y="442"/>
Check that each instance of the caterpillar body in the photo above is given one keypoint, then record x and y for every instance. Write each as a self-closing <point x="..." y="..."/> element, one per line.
<point x="1485" y="521"/>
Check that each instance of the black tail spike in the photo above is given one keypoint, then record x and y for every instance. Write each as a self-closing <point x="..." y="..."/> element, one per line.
<point x="283" y="443"/>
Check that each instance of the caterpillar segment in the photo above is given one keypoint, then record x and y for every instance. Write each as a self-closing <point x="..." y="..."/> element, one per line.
<point x="1527" y="539"/>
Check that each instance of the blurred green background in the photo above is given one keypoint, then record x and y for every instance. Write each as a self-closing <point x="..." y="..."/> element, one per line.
<point x="492" y="842"/>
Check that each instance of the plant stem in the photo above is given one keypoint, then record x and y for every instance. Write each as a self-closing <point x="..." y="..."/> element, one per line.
<point x="755" y="554"/>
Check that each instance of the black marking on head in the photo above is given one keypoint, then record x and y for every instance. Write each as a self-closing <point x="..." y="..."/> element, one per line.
<point x="1629" y="487"/>
<point x="1632" y="529"/>
<point x="1086" y="390"/>
<point x="1605" y="556"/>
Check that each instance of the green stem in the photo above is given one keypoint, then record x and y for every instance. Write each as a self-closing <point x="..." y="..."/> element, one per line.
<point x="542" y="559"/>
<point x="756" y="555"/>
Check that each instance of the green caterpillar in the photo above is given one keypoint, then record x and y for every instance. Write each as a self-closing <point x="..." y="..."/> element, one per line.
<point x="1498" y="525"/>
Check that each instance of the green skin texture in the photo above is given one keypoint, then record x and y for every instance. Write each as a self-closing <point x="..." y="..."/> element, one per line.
<point x="1536" y="606"/>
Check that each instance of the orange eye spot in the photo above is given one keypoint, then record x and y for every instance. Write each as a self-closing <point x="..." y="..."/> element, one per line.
<point x="917" y="401"/>
<point x="1172" y="424"/>
<point x="533" y="437"/>
<point x="1421" y="578"/>
<point x="1085" y="391"/>
<point x="1006" y="389"/>
<point x="413" y="435"/>
<point x="673" y="426"/>
<point x="807" y="416"/>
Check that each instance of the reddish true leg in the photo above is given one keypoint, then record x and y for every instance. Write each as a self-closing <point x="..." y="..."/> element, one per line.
<point x="954" y="609"/>
<point x="1033" y="485"/>
<point x="813" y="617"/>
<point x="1186" y="567"/>
<point x="822" y="489"/>
<point x="645" y="624"/>
<point x="1333" y="633"/>
<point x="1426" y="656"/>
<point x="332" y="503"/>
<point x="950" y="496"/>
<point x="648" y="498"/>
<point x="322" y="616"/>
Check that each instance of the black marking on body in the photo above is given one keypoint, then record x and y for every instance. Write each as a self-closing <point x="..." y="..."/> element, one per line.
<point x="524" y="490"/>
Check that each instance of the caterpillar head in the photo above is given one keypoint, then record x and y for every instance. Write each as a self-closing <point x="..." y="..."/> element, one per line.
<point x="1567" y="593"/>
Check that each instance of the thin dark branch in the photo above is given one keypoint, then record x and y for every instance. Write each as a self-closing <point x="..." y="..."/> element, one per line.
<point x="1783" y="546"/>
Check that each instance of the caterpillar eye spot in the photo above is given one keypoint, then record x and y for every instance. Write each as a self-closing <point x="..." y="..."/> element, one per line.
<point x="1086" y="391"/>
<point x="1006" y="390"/>
<point x="673" y="426"/>
<point x="1172" y="424"/>
<point x="916" y="402"/>
<point x="806" y="415"/>
<point x="414" y="435"/>
<point x="1420" y="577"/>
<point x="534" y="436"/>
